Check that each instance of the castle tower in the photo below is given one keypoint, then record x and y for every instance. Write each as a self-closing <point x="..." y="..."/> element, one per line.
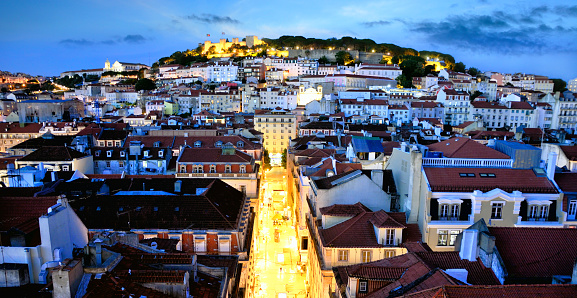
<point x="107" y="64"/>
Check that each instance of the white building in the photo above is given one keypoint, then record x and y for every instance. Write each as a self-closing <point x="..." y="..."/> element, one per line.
<point x="456" y="105"/>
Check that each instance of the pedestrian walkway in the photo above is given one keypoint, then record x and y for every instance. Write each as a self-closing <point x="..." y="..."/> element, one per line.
<point x="276" y="251"/>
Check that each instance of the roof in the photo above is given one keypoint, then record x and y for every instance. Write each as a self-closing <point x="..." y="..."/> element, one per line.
<point x="413" y="272"/>
<point x="366" y="144"/>
<point x="358" y="231"/>
<point x="21" y="213"/>
<point x="322" y="125"/>
<point x="509" y="180"/>
<point x="330" y="182"/>
<point x="570" y="152"/>
<point x="459" y="147"/>
<point x="513" y="291"/>
<point x="567" y="182"/>
<point x="344" y="209"/>
<point x="536" y="253"/>
<point x="218" y="207"/>
<point x="53" y="153"/>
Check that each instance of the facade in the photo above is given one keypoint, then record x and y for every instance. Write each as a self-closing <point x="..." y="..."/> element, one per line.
<point x="225" y="162"/>
<point x="123" y="66"/>
<point x="456" y="105"/>
<point x="279" y="127"/>
<point x="12" y="134"/>
<point x="391" y="71"/>
<point x="58" y="158"/>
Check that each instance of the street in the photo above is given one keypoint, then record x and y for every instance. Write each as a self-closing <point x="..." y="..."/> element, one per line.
<point x="276" y="269"/>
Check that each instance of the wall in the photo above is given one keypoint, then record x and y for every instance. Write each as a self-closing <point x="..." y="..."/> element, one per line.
<point x="84" y="165"/>
<point x="348" y="193"/>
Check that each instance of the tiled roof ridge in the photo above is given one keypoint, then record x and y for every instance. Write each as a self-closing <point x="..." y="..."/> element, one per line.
<point x="355" y="272"/>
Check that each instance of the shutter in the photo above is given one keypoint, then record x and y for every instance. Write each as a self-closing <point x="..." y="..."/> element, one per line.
<point x="553" y="211"/>
<point x="523" y="210"/>
<point x="465" y="209"/>
<point x="434" y="209"/>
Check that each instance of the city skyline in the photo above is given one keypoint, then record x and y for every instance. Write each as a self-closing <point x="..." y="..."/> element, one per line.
<point x="518" y="36"/>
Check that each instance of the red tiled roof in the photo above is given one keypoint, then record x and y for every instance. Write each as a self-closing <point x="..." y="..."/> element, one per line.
<point x="377" y="272"/>
<point x="16" y="211"/>
<point x="570" y="152"/>
<point x="464" y="124"/>
<point x="521" y="105"/>
<point x="425" y="104"/>
<point x="478" y="274"/>
<point x="509" y="180"/>
<point x="536" y="252"/>
<point x="344" y="209"/>
<point x="512" y="291"/>
<point x="381" y="219"/>
<point x="458" y="147"/>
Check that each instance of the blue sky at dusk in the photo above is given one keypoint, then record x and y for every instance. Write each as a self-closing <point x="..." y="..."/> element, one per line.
<point x="49" y="37"/>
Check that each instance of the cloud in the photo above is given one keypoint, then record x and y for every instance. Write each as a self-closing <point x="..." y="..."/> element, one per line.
<point x="76" y="42"/>
<point x="376" y="23"/>
<point x="499" y="31"/>
<point x="134" y="38"/>
<point x="212" y="19"/>
<point x="129" y="39"/>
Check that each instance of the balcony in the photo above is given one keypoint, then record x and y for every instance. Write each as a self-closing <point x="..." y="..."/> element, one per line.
<point x="217" y="175"/>
<point x="467" y="162"/>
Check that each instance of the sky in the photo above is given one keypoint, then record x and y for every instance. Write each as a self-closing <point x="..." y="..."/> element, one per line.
<point x="50" y="37"/>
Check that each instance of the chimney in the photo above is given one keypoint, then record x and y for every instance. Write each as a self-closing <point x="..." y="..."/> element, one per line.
<point x="469" y="245"/>
<point x="551" y="165"/>
<point x="177" y="186"/>
<point x="98" y="243"/>
<point x="334" y="165"/>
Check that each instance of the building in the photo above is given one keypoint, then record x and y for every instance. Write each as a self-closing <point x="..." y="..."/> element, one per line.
<point x="456" y="105"/>
<point x="279" y="127"/>
<point x="123" y="66"/>
<point x="57" y="158"/>
<point x="12" y="134"/>
<point x="225" y="162"/>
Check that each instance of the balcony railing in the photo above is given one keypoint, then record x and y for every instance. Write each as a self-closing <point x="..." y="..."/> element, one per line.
<point x="467" y="162"/>
<point x="215" y="175"/>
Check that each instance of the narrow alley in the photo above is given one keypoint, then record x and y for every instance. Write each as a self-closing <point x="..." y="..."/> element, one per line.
<point x="276" y="257"/>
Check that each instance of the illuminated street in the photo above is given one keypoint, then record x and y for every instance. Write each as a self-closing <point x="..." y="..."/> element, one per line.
<point x="277" y="272"/>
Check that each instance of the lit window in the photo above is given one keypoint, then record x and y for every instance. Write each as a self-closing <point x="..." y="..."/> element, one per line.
<point x="389" y="253"/>
<point x="343" y="255"/>
<point x="363" y="286"/>
<point x="389" y="237"/>
<point x="366" y="256"/>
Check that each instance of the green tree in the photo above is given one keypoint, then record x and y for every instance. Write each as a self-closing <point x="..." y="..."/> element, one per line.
<point x="324" y="60"/>
<point x="344" y="58"/>
<point x="459" y="67"/>
<point x="283" y="159"/>
<point x="404" y="82"/>
<point x="266" y="160"/>
<point x="559" y="85"/>
<point x="475" y="94"/>
<point x="144" y="84"/>
<point x="473" y="71"/>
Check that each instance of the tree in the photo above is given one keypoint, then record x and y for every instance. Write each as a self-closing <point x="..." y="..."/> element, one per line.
<point x="459" y="67"/>
<point x="266" y="160"/>
<point x="4" y="89"/>
<point x="324" y="60"/>
<point x="475" y="94"/>
<point x="344" y="58"/>
<point x="473" y="71"/>
<point x="144" y="84"/>
<point x="404" y="82"/>
<point x="559" y="85"/>
<point x="283" y="159"/>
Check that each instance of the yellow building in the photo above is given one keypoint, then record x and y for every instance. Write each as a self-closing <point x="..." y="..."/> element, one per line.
<point x="279" y="127"/>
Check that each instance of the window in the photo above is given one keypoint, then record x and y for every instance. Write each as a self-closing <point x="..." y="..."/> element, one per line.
<point x="122" y="153"/>
<point x="65" y="168"/>
<point x="497" y="211"/>
<point x="109" y="153"/>
<point x="108" y="163"/>
<point x="146" y="153"/>
<point x="109" y="144"/>
<point x="304" y="243"/>
<point x="363" y="286"/>
<point x="227" y="169"/>
<point x="121" y="164"/>
<point x="442" y="238"/>
<point x="197" y="144"/>
<point x="160" y="153"/>
<point x="572" y="210"/>
<point x="389" y="237"/>
<point x="453" y="236"/>
<point x="343" y="255"/>
<point x="213" y="168"/>
<point x="366" y="256"/>
<point x="389" y="253"/>
<point x="183" y="168"/>
<point x="242" y="169"/>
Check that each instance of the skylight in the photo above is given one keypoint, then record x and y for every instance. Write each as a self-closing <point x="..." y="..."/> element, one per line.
<point x="467" y="174"/>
